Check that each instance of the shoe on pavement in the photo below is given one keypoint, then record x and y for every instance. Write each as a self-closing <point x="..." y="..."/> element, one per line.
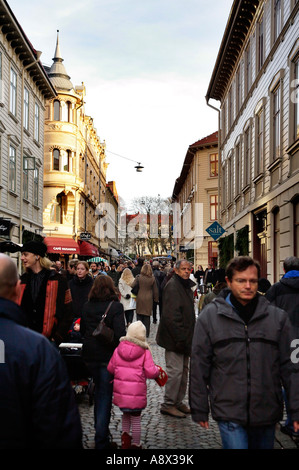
<point x="184" y="408"/>
<point x="135" y="446"/>
<point x="126" y="440"/>
<point x="172" y="411"/>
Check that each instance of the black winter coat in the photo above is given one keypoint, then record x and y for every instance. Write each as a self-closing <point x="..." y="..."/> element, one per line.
<point x="285" y="294"/>
<point x="80" y="290"/>
<point x="37" y="406"/>
<point x="177" y="321"/>
<point x="93" y="351"/>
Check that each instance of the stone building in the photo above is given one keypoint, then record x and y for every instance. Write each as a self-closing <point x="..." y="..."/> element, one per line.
<point x="255" y="79"/>
<point x="74" y="171"/>
<point x="24" y="90"/>
<point x="196" y="194"/>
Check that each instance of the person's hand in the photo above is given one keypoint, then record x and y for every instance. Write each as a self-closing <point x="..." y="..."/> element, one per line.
<point x="296" y="426"/>
<point x="204" y="424"/>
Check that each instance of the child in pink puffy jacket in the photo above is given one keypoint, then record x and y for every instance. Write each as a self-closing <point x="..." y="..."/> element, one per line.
<point x="131" y="364"/>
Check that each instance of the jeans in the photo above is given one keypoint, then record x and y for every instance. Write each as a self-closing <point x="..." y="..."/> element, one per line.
<point x="235" y="436"/>
<point x="102" y="403"/>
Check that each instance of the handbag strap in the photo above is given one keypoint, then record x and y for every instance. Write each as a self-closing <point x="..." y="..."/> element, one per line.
<point x="107" y="310"/>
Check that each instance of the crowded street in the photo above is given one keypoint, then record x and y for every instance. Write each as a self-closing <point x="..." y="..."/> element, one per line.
<point x="160" y="431"/>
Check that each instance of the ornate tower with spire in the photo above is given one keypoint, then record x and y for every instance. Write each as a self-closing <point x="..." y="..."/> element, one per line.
<point x="74" y="168"/>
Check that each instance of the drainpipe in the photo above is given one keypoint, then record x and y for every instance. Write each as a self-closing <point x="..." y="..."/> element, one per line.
<point x="38" y="54"/>
<point x="219" y="156"/>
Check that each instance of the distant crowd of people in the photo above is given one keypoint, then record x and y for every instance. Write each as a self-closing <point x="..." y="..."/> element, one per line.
<point x="233" y="355"/>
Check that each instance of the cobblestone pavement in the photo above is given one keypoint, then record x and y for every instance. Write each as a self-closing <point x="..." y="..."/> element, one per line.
<point x="162" y="431"/>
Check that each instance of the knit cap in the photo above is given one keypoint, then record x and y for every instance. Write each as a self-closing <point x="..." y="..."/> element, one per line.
<point x="136" y="333"/>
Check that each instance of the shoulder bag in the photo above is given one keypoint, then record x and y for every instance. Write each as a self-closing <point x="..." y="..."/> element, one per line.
<point x="102" y="331"/>
<point x="135" y="289"/>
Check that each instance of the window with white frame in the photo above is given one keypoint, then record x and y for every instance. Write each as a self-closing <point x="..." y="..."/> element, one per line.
<point x="26" y="109"/>
<point x="13" y="92"/>
<point x="229" y="176"/>
<point x="237" y="167"/>
<point x="12" y="169"/>
<point x="36" y="122"/>
<point x="259" y="140"/>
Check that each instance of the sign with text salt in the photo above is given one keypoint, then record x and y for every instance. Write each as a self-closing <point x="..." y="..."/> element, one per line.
<point x="215" y="230"/>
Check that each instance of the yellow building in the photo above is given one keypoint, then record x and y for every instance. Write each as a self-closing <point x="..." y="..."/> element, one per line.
<point x="196" y="195"/>
<point x="74" y="170"/>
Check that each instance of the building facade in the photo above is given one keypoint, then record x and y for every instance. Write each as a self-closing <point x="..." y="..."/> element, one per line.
<point x="24" y="90"/>
<point x="195" y="200"/>
<point x="255" y="79"/>
<point x="74" y="171"/>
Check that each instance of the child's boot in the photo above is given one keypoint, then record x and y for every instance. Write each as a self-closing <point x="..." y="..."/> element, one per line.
<point x="126" y="440"/>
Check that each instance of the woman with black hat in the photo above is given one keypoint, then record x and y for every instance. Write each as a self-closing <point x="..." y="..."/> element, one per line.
<point x="45" y="296"/>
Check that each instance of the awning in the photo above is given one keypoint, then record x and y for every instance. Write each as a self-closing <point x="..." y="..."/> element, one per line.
<point x="62" y="245"/>
<point x="88" y="249"/>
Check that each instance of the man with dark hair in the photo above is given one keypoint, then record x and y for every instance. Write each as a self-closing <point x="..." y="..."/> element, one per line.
<point x="240" y="355"/>
<point x="285" y="294"/>
<point x="37" y="405"/>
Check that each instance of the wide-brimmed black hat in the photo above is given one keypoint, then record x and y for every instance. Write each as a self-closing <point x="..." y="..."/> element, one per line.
<point x="37" y="248"/>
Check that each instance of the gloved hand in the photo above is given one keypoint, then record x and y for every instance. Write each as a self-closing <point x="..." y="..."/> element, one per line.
<point x="128" y="296"/>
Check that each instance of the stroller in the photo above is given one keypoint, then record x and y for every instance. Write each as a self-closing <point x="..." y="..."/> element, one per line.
<point x="79" y="374"/>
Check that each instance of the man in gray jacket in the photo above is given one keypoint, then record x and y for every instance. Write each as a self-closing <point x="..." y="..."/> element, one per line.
<point x="175" y="334"/>
<point x="241" y="353"/>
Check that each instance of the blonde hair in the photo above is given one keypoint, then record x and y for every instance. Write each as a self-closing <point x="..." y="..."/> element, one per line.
<point x="84" y="263"/>
<point x="146" y="270"/>
<point x="45" y="262"/>
<point x="127" y="276"/>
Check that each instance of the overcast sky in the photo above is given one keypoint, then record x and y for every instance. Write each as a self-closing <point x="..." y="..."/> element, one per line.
<point x="146" y="65"/>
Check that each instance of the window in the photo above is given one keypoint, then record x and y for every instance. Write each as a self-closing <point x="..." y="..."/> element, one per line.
<point x="12" y="169"/>
<point x="261" y="43"/>
<point x="25" y="179"/>
<point x="276" y="123"/>
<point x="277" y="18"/>
<point x="13" y="92"/>
<point x="213" y="207"/>
<point x="69" y="111"/>
<point x="276" y="261"/>
<point x="36" y="122"/>
<point x="26" y="109"/>
<point x="248" y="65"/>
<point x="56" y="158"/>
<point x="35" y="187"/>
<point x="239" y="89"/>
<point x="56" y="110"/>
<point x="296" y="225"/>
<point x="56" y="210"/>
<point x="247" y="156"/>
<point x="238" y="168"/>
<point x="259" y="156"/>
<point x="230" y="108"/>
<point x="66" y="161"/>
<point x="229" y="179"/>
<point x="214" y="165"/>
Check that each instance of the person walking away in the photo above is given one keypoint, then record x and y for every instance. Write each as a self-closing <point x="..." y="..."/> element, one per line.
<point x="80" y="287"/>
<point x="285" y="294"/>
<point x="37" y="404"/>
<point x="240" y="356"/>
<point x="124" y="287"/>
<point x="175" y="332"/>
<point x="97" y="355"/>
<point x="131" y="365"/>
<point x="159" y="276"/>
<point x="44" y="295"/>
<point x="147" y="293"/>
